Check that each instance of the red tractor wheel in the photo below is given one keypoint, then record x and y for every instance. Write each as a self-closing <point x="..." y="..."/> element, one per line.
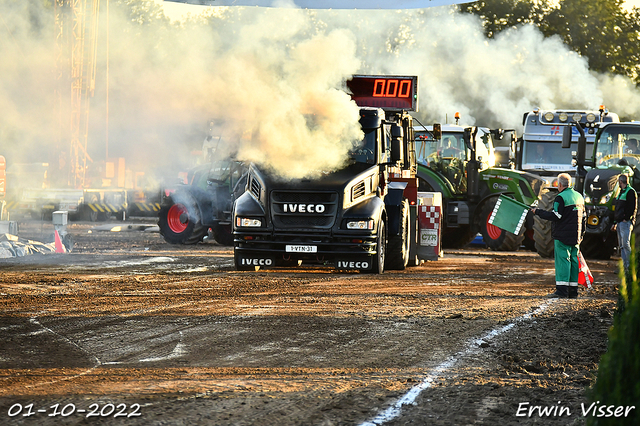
<point x="179" y="220"/>
<point x="494" y="237"/>
<point x="493" y="231"/>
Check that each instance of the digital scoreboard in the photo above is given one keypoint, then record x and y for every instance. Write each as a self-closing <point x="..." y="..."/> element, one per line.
<point x="383" y="91"/>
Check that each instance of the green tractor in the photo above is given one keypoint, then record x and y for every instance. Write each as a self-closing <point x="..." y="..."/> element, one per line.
<point x="614" y="152"/>
<point x="459" y="162"/>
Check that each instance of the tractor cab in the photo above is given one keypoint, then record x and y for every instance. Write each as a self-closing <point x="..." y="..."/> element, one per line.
<point x="448" y="154"/>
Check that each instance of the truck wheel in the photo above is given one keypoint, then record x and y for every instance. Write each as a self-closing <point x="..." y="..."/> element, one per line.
<point x="222" y="234"/>
<point x="495" y="238"/>
<point x="377" y="266"/>
<point x="179" y="221"/>
<point x="542" y="228"/>
<point x="89" y="214"/>
<point x="398" y="247"/>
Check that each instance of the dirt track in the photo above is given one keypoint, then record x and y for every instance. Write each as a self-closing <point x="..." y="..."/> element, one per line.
<point x="127" y="319"/>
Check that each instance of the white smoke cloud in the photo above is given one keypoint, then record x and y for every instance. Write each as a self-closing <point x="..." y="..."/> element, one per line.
<point x="276" y="78"/>
<point x="268" y="75"/>
<point x="27" y="77"/>
<point x="490" y="82"/>
<point x="620" y="95"/>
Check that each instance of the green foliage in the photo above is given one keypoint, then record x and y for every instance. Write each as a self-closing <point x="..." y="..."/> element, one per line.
<point x="601" y="31"/>
<point x="593" y="29"/>
<point x="618" y="380"/>
<point x="500" y="15"/>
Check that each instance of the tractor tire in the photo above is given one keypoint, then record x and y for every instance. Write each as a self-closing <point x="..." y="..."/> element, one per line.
<point x="180" y="222"/>
<point x="398" y="247"/>
<point x="593" y="247"/>
<point x="542" y="228"/>
<point x="223" y="235"/>
<point x="495" y="238"/>
<point x="529" y="243"/>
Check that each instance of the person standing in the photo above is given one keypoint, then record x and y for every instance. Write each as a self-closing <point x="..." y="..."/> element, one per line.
<point x="624" y="218"/>
<point x="569" y="219"/>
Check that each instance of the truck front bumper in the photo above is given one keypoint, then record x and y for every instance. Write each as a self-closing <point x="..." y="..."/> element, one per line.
<point x="342" y="250"/>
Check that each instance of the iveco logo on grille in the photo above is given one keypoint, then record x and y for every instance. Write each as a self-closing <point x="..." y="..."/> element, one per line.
<point x="303" y="208"/>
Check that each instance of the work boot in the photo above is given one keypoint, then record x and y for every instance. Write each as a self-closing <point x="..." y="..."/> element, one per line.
<point x="561" y="292"/>
<point x="573" y="292"/>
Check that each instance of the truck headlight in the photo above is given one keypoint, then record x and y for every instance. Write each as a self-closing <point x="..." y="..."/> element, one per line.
<point x="587" y="199"/>
<point x="360" y="224"/>
<point x="245" y="222"/>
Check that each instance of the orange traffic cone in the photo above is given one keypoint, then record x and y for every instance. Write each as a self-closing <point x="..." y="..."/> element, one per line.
<point x="59" y="246"/>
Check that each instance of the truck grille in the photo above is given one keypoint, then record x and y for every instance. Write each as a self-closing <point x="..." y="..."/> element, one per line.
<point x="300" y="210"/>
<point x="255" y="188"/>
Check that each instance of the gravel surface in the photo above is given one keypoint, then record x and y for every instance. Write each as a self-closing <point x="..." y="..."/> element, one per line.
<point x="174" y="334"/>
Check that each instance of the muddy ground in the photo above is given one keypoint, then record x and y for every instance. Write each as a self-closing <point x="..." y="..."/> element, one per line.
<point x="128" y="329"/>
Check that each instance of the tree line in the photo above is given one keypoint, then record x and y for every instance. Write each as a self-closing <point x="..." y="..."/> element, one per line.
<point x="603" y="32"/>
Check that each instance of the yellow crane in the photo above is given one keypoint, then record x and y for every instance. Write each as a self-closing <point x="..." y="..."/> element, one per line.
<point x="76" y="38"/>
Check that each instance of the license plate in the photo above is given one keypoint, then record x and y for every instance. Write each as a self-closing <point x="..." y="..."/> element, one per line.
<point x="301" y="249"/>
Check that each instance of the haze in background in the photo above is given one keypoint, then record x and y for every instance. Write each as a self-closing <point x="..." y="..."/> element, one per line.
<point x="275" y="78"/>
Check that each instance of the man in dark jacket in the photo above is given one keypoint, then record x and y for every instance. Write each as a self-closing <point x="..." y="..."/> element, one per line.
<point x="624" y="218"/>
<point x="569" y="219"/>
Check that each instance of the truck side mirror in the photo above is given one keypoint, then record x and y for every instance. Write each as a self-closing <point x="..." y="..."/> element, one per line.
<point x="437" y="131"/>
<point x="467" y="138"/>
<point x="566" y="136"/>
<point x="397" y="151"/>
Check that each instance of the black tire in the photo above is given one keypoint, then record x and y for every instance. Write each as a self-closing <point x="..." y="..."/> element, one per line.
<point x="223" y="235"/>
<point x="495" y="238"/>
<point x="593" y="247"/>
<point x="397" y="256"/>
<point x="529" y="243"/>
<point x="88" y="214"/>
<point x="179" y="220"/>
<point x="542" y="228"/>
<point x="377" y="261"/>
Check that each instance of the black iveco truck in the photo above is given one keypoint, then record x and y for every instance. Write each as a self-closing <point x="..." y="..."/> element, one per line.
<point x="362" y="217"/>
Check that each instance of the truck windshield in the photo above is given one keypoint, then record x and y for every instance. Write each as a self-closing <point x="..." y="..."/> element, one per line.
<point x="365" y="150"/>
<point x="542" y="155"/>
<point x="618" y="142"/>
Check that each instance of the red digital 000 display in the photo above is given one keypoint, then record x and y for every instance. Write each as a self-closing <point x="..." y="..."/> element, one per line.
<point x="388" y="92"/>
